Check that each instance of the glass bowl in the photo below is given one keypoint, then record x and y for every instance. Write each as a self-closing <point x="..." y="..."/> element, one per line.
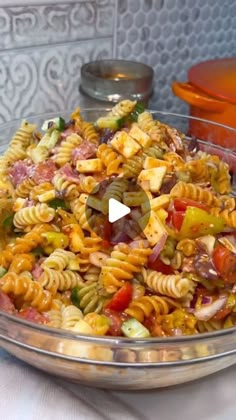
<point x="118" y="362"/>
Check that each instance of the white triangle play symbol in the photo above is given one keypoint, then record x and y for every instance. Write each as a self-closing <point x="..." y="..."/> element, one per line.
<point x="116" y="210"/>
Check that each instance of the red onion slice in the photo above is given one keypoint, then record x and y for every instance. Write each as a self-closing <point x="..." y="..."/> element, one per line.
<point x="158" y="248"/>
<point x="207" y="312"/>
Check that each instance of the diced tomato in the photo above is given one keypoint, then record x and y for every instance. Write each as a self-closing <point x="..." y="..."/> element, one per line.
<point x="121" y="298"/>
<point x="181" y="204"/>
<point x="153" y="327"/>
<point x="31" y="314"/>
<point x="177" y="219"/>
<point x="115" y="322"/>
<point x="225" y="263"/>
<point x="158" y="265"/>
<point x="222" y="313"/>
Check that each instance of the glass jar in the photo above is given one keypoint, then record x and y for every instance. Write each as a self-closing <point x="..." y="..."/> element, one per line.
<point x="109" y="81"/>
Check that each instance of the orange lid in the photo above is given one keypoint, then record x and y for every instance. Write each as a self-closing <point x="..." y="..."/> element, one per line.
<point x="217" y="78"/>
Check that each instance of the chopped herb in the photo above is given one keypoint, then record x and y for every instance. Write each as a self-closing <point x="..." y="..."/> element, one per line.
<point x="74" y="297"/>
<point x="8" y="222"/>
<point x="2" y="271"/>
<point x="38" y="251"/>
<point x="56" y="203"/>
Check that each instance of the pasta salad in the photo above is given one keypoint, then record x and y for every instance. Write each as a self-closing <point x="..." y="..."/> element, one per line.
<point x="63" y="264"/>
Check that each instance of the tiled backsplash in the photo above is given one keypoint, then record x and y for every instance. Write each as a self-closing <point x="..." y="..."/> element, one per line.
<point x="42" y="48"/>
<point x="172" y="35"/>
<point x="43" y="45"/>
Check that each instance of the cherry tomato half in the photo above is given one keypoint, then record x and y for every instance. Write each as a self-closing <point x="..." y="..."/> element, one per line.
<point x="225" y="263"/>
<point x="121" y="298"/>
<point x="181" y="204"/>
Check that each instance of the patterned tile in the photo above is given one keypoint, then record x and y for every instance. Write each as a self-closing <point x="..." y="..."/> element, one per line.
<point x="171" y="36"/>
<point x="45" y="79"/>
<point x="24" y="26"/>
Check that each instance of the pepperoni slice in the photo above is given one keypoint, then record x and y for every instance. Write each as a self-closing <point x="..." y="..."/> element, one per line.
<point x="44" y="171"/>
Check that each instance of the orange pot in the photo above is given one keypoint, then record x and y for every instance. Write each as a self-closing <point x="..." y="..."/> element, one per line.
<point x="211" y="94"/>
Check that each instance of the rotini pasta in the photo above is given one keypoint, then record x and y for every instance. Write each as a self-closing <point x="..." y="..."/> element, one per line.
<point x="194" y="192"/>
<point x="122" y="264"/>
<point x="55" y="280"/>
<point x="110" y="159"/>
<point x="172" y="285"/>
<point x="146" y="305"/>
<point x="40" y="213"/>
<point x="32" y="292"/>
<point x="167" y="268"/>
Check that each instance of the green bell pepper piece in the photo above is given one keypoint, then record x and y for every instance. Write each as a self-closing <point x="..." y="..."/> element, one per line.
<point x="198" y="222"/>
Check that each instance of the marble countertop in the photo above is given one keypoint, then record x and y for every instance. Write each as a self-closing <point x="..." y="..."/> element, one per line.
<point x="28" y="394"/>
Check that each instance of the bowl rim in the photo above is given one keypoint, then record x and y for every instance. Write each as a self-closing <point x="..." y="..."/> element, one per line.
<point x="116" y="340"/>
<point x="109" y="340"/>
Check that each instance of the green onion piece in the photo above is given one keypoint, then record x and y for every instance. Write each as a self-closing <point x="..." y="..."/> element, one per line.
<point x="37" y="252"/>
<point x="2" y="271"/>
<point x="74" y="297"/>
<point x="8" y="222"/>
<point x="56" y="203"/>
<point x="134" y="329"/>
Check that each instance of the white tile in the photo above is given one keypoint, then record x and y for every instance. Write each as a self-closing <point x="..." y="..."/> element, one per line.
<point x="24" y="26"/>
<point x="45" y="79"/>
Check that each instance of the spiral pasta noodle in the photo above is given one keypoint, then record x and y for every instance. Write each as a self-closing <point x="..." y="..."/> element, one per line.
<point x="67" y="188"/>
<point x="60" y="259"/>
<point x="66" y="148"/>
<point x="32" y="292"/>
<point x="55" y="280"/>
<point x="89" y="132"/>
<point x="149" y="126"/>
<point x="146" y="305"/>
<point x="194" y="192"/>
<point x="88" y="184"/>
<point x="110" y="159"/>
<point x="89" y="298"/>
<point x="173" y="285"/>
<point x="64" y="264"/>
<point x="24" y="188"/>
<point x="198" y="170"/>
<point x="132" y="166"/>
<point x="122" y="109"/>
<point x="40" y="213"/>
<point x="121" y="265"/>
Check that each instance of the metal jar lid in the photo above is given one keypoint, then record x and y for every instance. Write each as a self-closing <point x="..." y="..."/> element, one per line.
<point x="114" y="80"/>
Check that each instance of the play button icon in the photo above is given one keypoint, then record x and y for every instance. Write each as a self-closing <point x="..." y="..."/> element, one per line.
<point x="116" y="210"/>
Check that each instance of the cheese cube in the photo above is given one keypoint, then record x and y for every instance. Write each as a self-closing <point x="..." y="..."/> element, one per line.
<point x="153" y="177"/>
<point x="152" y="228"/>
<point x="89" y="165"/>
<point x="142" y="138"/>
<point x="125" y="144"/>
<point x="156" y="203"/>
<point x="151" y="162"/>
